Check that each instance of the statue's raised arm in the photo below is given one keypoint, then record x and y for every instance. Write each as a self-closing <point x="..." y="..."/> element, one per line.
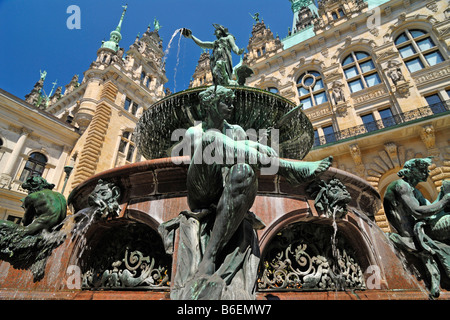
<point x="202" y="44"/>
<point x="221" y="60"/>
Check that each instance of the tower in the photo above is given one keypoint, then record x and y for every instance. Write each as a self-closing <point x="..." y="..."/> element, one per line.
<point x="202" y="75"/>
<point x="304" y="13"/>
<point x="116" y="89"/>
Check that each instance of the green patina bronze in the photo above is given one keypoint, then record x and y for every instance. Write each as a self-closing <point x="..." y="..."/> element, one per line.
<point x="218" y="256"/>
<point x="330" y="197"/>
<point x="422" y="228"/>
<point x="221" y="59"/>
<point x="115" y="35"/>
<point x="28" y="246"/>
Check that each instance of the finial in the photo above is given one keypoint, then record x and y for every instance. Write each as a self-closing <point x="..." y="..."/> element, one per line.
<point x="119" y="27"/>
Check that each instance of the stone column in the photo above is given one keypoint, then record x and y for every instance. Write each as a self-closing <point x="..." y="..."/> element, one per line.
<point x="14" y="156"/>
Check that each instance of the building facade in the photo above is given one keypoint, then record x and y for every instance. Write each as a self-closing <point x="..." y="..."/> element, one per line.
<point x="32" y="141"/>
<point x="373" y="77"/>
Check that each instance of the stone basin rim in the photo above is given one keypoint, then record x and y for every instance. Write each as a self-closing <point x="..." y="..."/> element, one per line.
<point x="168" y="163"/>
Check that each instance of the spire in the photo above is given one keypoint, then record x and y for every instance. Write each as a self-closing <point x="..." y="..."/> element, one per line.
<point x="115" y="35"/>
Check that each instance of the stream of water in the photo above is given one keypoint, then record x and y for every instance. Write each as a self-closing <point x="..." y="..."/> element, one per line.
<point x="166" y="53"/>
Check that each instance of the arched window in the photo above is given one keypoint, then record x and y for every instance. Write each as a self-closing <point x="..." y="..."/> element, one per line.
<point x="360" y="71"/>
<point x="127" y="147"/>
<point x="34" y="166"/>
<point x="311" y="89"/>
<point x="418" y="49"/>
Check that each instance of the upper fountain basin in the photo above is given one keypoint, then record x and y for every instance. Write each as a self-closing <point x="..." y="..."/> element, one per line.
<point x="253" y="109"/>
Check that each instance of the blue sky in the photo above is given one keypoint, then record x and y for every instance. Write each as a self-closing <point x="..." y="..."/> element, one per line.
<point x="34" y="34"/>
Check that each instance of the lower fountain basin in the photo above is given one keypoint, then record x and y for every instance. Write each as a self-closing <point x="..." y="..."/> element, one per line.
<point x="154" y="192"/>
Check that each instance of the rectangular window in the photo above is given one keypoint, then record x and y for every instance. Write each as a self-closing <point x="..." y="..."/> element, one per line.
<point x="387" y="117"/>
<point x="434" y="58"/>
<point x="351" y="72"/>
<point x="435" y="103"/>
<point x="127" y="104"/>
<point x="130" y="153"/>
<point x="367" y="66"/>
<point x="356" y="85"/>
<point x="316" y="139"/>
<point x="328" y="132"/>
<point x="369" y="122"/>
<point x="134" y="108"/>
<point x="320" y="98"/>
<point x="425" y="44"/>
<point x="302" y="91"/>
<point x="14" y="219"/>
<point x="307" y="103"/>
<point x="407" y="51"/>
<point x="433" y="99"/>
<point x="372" y="80"/>
<point x="414" y="65"/>
<point x="122" y="146"/>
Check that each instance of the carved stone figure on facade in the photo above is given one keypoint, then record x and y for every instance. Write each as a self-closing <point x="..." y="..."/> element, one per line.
<point x="338" y="97"/>
<point x="222" y="262"/>
<point x="221" y="60"/>
<point x="35" y="96"/>
<point x="337" y="93"/>
<point x="27" y="246"/>
<point x="422" y="228"/>
<point x="395" y="73"/>
<point x="73" y="84"/>
<point x="56" y="96"/>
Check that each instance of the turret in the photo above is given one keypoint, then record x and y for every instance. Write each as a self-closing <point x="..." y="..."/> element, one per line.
<point x="110" y="50"/>
<point x="115" y="36"/>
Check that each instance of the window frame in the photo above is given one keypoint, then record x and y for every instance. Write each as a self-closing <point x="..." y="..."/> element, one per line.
<point x="361" y="76"/>
<point x="125" y="145"/>
<point x="29" y="169"/>
<point x="419" y="55"/>
<point x="312" y="94"/>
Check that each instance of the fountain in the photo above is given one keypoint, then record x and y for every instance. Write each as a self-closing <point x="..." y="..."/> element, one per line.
<point x="172" y="228"/>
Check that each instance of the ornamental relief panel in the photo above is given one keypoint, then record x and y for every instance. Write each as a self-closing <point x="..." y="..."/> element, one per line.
<point x="438" y="72"/>
<point x="376" y="92"/>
